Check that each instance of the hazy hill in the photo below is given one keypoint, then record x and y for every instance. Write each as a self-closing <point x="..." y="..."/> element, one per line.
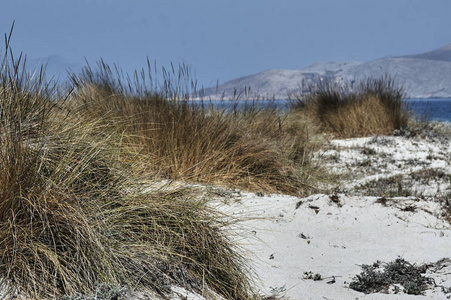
<point x="443" y="53"/>
<point x="423" y="75"/>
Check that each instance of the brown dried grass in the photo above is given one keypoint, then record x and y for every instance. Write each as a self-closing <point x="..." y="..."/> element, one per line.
<point x="369" y="107"/>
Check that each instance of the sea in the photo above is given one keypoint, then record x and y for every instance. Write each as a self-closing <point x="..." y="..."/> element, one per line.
<point x="429" y="109"/>
<point x="432" y="109"/>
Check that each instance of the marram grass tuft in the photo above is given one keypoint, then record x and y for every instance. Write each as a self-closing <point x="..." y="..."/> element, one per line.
<point x="368" y="107"/>
<point x="69" y="219"/>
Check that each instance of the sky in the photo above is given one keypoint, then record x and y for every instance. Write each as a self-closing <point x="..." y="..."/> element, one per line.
<point x="224" y="40"/>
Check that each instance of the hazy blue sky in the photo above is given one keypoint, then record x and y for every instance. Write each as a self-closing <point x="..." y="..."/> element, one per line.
<point x="223" y="40"/>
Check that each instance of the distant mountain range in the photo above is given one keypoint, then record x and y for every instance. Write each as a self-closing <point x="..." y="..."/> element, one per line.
<point x="425" y="75"/>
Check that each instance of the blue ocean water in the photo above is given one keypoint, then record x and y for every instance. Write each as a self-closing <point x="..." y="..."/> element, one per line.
<point x="431" y="109"/>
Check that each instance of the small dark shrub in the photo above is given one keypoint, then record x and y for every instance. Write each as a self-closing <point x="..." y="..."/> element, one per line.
<point x="379" y="277"/>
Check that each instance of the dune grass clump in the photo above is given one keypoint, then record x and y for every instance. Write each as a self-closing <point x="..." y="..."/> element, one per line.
<point x="70" y="218"/>
<point x="185" y="241"/>
<point x="47" y="242"/>
<point x="251" y="148"/>
<point x="369" y="107"/>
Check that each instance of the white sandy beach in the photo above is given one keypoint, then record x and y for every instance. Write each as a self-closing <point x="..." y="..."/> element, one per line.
<point x="334" y="234"/>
